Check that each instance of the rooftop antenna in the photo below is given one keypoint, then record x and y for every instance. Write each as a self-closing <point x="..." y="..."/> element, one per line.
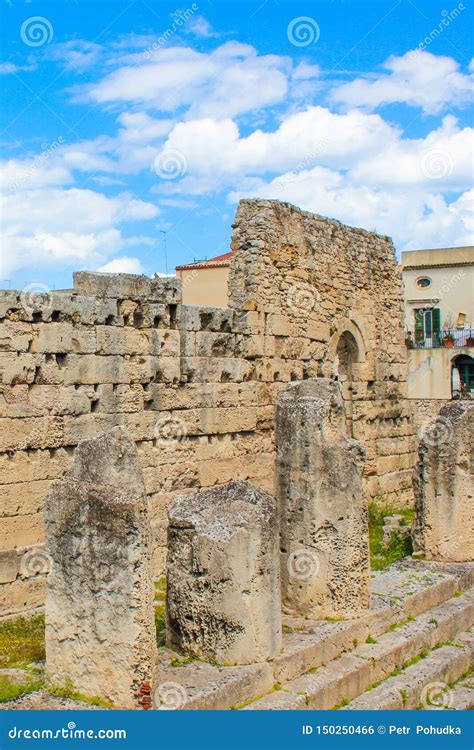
<point x="163" y="232"/>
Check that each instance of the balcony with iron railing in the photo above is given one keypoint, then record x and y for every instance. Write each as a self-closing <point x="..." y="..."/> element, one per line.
<point x="449" y="338"/>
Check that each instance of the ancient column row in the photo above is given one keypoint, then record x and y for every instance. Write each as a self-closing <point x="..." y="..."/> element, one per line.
<point x="234" y="554"/>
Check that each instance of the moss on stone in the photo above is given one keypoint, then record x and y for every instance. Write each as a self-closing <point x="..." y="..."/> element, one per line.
<point x="22" y="641"/>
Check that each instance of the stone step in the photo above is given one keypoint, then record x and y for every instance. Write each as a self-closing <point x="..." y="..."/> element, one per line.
<point x="311" y="644"/>
<point x="346" y="677"/>
<point x="409" y="640"/>
<point x="426" y="683"/>
<point x="460" y="698"/>
<point x="199" y="685"/>
<point x="397" y="594"/>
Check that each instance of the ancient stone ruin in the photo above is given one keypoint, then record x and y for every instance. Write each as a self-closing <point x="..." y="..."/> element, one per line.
<point x="196" y="386"/>
<point x="223" y="583"/>
<point x="324" y="535"/>
<point x="443" y="483"/>
<point x="100" y="632"/>
<point x="146" y="431"/>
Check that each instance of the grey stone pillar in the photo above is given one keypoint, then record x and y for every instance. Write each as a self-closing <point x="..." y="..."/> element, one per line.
<point x="100" y="631"/>
<point x="223" y="588"/>
<point x="324" y="538"/>
<point x="443" y="485"/>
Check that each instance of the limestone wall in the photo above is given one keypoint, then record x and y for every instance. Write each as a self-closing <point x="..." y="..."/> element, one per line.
<point x="425" y="411"/>
<point x="196" y="386"/>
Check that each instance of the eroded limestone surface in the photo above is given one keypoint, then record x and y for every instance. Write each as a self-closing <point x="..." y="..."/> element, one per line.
<point x="100" y="629"/>
<point x="443" y="484"/>
<point x="223" y="583"/>
<point x="324" y="538"/>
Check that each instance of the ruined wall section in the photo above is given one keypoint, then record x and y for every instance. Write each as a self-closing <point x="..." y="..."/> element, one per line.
<point x="315" y="278"/>
<point x="187" y="382"/>
<point x="195" y="386"/>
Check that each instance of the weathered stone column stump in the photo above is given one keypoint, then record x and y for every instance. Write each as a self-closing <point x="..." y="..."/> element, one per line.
<point x="223" y="587"/>
<point x="324" y="537"/>
<point x="443" y="485"/>
<point x="100" y="631"/>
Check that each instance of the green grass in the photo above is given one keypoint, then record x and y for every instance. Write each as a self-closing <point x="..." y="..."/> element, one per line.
<point x="9" y="689"/>
<point x="160" y="590"/>
<point x="343" y="703"/>
<point x="22" y="641"/>
<point x="67" y="691"/>
<point x="181" y="662"/>
<point x="397" y="625"/>
<point x="160" y="624"/>
<point x="398" y="547"/>
<point x="371" y="639"/>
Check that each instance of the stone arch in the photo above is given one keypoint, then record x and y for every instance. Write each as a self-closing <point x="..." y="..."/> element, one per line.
<point x="346" y="348"/>
<point x="347" y="353"/>
<point x="462" y="375"/>
<point x="352" y="337"/>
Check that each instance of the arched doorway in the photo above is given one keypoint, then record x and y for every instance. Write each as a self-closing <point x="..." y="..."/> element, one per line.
<point x="347" y="353"/>
<point x="462" y="376"/>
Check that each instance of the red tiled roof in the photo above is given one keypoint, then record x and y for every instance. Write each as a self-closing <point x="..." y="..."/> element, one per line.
<point x="218" y="261"/>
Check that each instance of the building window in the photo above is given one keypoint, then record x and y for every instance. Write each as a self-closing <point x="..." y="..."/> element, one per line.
<point x="423" y="282"/>
<point x="427" y="326"/>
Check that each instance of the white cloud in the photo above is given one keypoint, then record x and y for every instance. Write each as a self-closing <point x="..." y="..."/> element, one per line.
<point x="122" y="265"/>
<point x="31" y="173"/>
<point x="77" y="53"/>
<point x="352" y="164"/>
<point x="70" y="227"/>
<point x="9" y="67"/>
<point x="419" y="79"/>
<point x="363" y="146"/>
<point x="199" y="26"/>
<point x="413" y="218"/>
<point x="229" y="81"/>
<point x="442" y="160"/>
<point x="318" y="136"/>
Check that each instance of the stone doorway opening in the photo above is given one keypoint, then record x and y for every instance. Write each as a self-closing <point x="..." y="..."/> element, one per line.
<point x="347" y="354"/>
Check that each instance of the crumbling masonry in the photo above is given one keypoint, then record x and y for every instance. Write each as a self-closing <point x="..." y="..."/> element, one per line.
<point x="196" y="387"/>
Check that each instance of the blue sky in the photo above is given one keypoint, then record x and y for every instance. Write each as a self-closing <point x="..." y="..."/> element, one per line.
<point x="122" y="120"/>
